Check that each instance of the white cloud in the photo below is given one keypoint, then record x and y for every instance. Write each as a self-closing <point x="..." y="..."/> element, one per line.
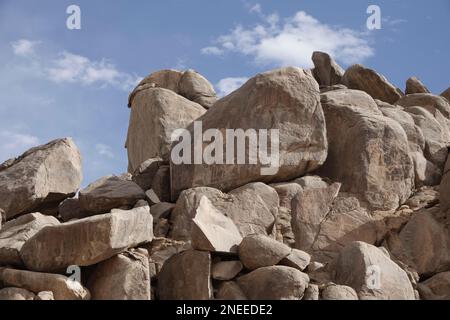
<point x="228" y="85"/>
<point x="255" y="8"/>
<point x="104" y="150"/>
<point x="291" y="41"/>
<point x="15" y="143"/>
<point x="67" y="67"/>
<point x="24" y="47"/>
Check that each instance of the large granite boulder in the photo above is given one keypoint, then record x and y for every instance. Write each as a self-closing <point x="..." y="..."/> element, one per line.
<point x="87" y="241"/>
<point x="286" y="100"/>
<point x="326" y="71"/>
<point x="414" y="85"/>
<point x="40" y="178"/>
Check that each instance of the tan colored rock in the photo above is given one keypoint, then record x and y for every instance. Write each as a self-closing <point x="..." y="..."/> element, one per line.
<point x="423" y="243"/>
<point x="16" y="294"/>
<point x="444" y="188"/>
<point x="230" y="290"/>
<point x="425" y="197"/>
<point x="70" y="209"/>
<point x="156" y="113"/>
<point x="161" y="183"/>
<point x="40" y="178"/>
<point x="372" y="274"/>
<point x="213" y="231"/>
<point x="426" y="172"/>
<point x="446" y="94"/>
<point x="436" y="288"/>
<point x="16" y="232"/>
<point x="285" y="99"/>
<point x="62" y="287"/>
<point x="414" y="85"/>
<point x="428" y="101"/>
<point x="297" y="259"/>
<point x="226" y="270"/>
<point x="161" y="249"/>
<point x="368" y="152"/>
<point x="161" y="210"/>
<point x="108" y="193"/>
<point x="274" y="283"/>
<point x="45" y="295"/>
<point x="190" y="84"/>
<point x="144" y="174"/>
<point x="186" y="276"/>
<point x="338" y="292"/>
<point x="312" y="292"/>
<point x="125" y="276"/>
<point x="252" y="208"/>
<point x="256" y="251"/>
<point x="376" y="85"/>
<point x="326" y="71"/>
<point x="87" y="241"/>
<point x="195" y="87"/>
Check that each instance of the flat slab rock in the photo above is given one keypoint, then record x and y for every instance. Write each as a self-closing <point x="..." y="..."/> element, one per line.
<point x="87" y="241"/>
<point x="41" y="177"/>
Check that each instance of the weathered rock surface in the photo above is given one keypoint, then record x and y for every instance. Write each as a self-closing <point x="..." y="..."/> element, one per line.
<point x="87" y="241"/>
<point x="423" y="243"/>
<point x="108" y="193"/>
<point x="297" y="259"/>
<point x="62" y="287"/>
<point x="326" y="71"/>
<point x="230" y="290"/>
<point x="213" y="231"/>
<point x="125" y="276"/>
<point x="40" y="178"/>
<point x="144" y="174"/>
<point x="16" y="232"/>
<point x="70" y="209"/>
<point x="161" y="249"/>
<point x="16" y="294"/>
<point x="444" y="196"/>
<point x="285" y="99"/>
<point x="252" y="208"/>
<point x="368" y="152"/>
<point x="226" y="270"/>
<point x="377" y="86"/>
<point x="427" y="101"/>
<point x="256" y="251"/>
<point x="414" y="85"/>
<point x="190" y="84"/>
<point x="372" y="274"/>
<point x="186" y="276"/>
<point x="435" y="288"/>
<point x="446" y="94"/>
<point x="274" y="283"/>
<point x="156" y="113"/>
<point x="338" y="292"/>
<point x="312" y="292"/>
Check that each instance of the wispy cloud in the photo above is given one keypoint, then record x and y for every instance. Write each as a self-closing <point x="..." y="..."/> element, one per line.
<point x="67" y="67"/>
<point x="24" y="47"/>
<point x="291" y="41"/>
<point x="15" y="143"/>
<point x="104" y="150"/>
<point x="228" y="85"/>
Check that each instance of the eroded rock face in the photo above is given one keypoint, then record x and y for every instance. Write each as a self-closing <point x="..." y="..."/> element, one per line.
<point x="274" y="283"/>
<point x="368" y="152"/>
<point x="16" y="232"/>
<point x="190" y="84"/>
<point x="377" y="86"/>
<point x="326" y="71"/>
<point x="87" y="241"/>
<point x="16" y="294"/>
<point x="155" y="115"/>
<point x="40" y="178"/>
<point x="213" y="231"/>
<point x="186" y="276"/>
<point x="446" y="94"/>
<point x="339" y="292"/>
<point x="125" y="276"/>
<point x="372" y="274"/>
<point x="108" y="193"/>
<point x="62" y="287"/>
<point x="444" y="195"/>
<point x="423" y="243"/>
<point x="435" y="288"/>
<point x="256" y="251"/>
<point x="427" y="101"/>
<point x="252" y="208"/>
<point x="285" y="99"/>
<point x="414" y="85"/>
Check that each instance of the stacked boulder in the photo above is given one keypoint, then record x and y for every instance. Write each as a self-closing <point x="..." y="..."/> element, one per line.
<point x="356" y="207"/>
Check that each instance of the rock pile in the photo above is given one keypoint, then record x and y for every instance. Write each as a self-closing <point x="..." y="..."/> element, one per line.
<point x="358" y="208"/>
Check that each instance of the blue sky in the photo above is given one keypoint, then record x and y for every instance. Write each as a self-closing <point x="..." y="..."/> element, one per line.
<point x="56" y="82"/>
